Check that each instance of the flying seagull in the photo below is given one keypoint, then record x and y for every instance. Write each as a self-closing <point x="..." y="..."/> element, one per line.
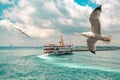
<point x="22" y="32"/>
<point x="95" y="33"/>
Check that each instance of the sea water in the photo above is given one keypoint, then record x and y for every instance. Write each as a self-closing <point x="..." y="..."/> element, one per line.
<point x="33" y="64"/>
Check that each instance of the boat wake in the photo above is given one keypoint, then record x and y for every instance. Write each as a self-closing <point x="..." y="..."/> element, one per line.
<point x="85" y="66"/>
<point x="48" y="57"/>
<point x="64" y="62"/>
<point x="44" y="56"/>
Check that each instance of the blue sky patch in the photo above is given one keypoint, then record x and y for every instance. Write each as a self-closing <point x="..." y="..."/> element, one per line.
<point x="3" y="7"/>
<point x="86" y="2"/>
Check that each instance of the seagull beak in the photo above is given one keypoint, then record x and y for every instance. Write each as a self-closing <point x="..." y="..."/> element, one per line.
<point x="107" y="41"/>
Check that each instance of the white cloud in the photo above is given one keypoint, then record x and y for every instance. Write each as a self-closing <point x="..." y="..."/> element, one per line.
<point x="65" y="21"/>
<point x="40" y="18"/>
<point x="110" y="17"/>
<point x="8" y="1"/>
<point x="21" y="17"/>
<point x="49" y="14"/>
<point x="39" y="32"/>
<point x="20" y="13"/>
<point x="6" y="23"/>
<point x="4" y="1"/>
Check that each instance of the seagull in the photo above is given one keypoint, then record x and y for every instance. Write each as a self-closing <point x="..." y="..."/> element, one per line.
<point x="95" y="34"/>
<point x="22" y="32"/>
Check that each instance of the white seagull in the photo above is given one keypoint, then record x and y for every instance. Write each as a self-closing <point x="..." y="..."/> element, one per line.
<point x="95" y="33"/>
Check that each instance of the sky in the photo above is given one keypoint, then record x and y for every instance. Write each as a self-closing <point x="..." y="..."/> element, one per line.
<point x="45" y="20"/>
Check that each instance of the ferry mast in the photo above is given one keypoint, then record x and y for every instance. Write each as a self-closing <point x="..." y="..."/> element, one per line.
<point x="61" y="42"/>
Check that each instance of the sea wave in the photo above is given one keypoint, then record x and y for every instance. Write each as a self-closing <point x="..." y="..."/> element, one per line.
<point x="58" y="62"/>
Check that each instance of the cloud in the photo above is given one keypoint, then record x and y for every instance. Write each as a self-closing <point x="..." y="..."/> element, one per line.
<point x="8" y="2"/>
<point x="51" y="14"/>
<point x="44" y="19"/>
<point x="7" y="24"/>
<point x="19" y="16"/>
<point x="4" y="1"/>
<point x="110" y="14"/>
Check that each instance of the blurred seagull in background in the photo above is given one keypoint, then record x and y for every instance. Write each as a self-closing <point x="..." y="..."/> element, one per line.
<point x="22" y="32"/>
<point x="95" y="33"/>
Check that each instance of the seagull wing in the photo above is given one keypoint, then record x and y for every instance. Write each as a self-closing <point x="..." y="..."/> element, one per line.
<point x="18" y="29"/>
<point x="25" y="34"/>
<point x="91" y="44"/>
<point x="94" y="20"/>
<point x="22" y="32"/>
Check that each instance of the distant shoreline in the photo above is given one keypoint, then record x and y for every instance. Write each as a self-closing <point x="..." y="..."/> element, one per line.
<point x="98" y="48"/>
<point x="76" y="48"/>
<point x="20" y="47"/>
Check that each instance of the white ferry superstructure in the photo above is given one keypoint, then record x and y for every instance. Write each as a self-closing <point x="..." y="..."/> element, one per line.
<point x="61" y="48"/>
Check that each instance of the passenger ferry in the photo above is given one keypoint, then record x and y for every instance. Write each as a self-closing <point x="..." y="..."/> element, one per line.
<point x="60" y="49"/>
